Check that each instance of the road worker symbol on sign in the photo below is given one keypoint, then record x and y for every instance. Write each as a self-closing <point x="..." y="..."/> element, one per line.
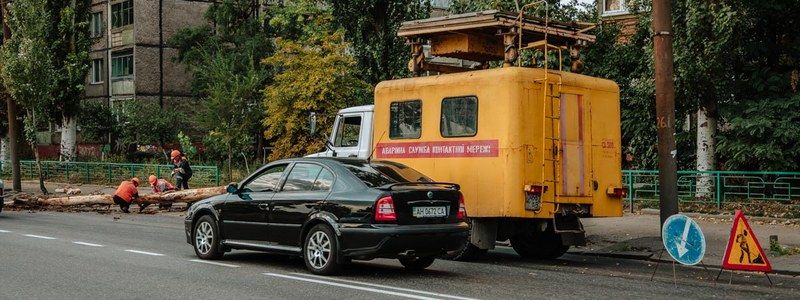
<point x="744" y="252"/>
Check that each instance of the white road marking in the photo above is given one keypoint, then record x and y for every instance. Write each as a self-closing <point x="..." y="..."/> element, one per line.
<point x="4" y="231"/>
<point x="87" y="244"/>
<point x="387" y="287"/>
<point x="40" y="237"/>
<point x="354" y="287"/>
<point x="213" y="263"/>
<point x="144" y="252"/>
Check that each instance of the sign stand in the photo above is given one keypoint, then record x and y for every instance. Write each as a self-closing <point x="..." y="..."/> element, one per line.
<point x="684" y="241"/>
<point x="744" y="252"/>
<point x="674" y="275"/>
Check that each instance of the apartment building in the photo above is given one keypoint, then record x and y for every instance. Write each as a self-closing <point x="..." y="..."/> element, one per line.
<point x="618" y="12"/>
<point x="130" y="56"/>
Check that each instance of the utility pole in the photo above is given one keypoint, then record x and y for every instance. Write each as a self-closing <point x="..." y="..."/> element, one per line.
<point x="12" y="113"/>
<point x="665" y="109"/>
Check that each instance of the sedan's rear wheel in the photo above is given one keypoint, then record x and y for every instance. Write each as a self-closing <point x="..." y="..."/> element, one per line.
<point x="206" y="238"/>
<point x="321" y="251"/>
<point x="417" y="263"/>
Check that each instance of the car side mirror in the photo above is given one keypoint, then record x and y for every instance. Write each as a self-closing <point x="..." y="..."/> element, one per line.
<point x="232" y="188"/>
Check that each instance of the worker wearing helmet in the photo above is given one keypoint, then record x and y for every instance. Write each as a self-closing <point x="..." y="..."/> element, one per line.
<point x="126" y="193"/>
<point x="182" y="170"/>
<point x="160" y="186"/>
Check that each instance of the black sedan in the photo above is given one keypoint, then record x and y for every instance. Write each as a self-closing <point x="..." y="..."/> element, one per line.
<point x="331" y="211"/>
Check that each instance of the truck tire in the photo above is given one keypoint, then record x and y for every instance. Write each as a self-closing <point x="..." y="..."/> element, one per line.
<point x="538" y="245"/>
<point x="469" y="252"/>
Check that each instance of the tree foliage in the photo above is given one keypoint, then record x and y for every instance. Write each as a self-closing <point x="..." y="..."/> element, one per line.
<point x="70" y="44"/>
<point x="314" y="74"/>
<point x="28" y="69"/>
<point x="228" y="76"/>
<point x="140" y="123"/>
<point x="371" y="28"/>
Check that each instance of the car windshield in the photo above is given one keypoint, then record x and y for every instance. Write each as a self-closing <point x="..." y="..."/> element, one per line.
<point x="379" y="173"/>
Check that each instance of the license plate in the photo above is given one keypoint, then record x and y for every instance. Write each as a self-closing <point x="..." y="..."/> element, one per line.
<point x="430" y="211"/>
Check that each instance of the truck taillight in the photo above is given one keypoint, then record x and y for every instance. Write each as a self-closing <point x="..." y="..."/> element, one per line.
<point x="384" y="210"/>
<point x="617" y="192"/>
<point x="536" y="189"/>
<point x="462" y="209"/>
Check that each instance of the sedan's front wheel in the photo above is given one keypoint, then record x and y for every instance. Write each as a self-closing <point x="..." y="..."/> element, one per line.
<point x="321" y="251"/>
<point x="206" y="238"/>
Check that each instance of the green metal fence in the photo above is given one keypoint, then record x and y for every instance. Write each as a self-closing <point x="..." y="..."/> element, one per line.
<point x="107" y="173"/>
<point x="717" y="186"/>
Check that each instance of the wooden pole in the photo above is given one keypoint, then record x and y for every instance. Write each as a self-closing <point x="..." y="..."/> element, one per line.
<point x="665" y="109"/>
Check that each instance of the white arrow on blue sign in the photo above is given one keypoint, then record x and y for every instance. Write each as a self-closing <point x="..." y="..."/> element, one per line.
<point x="683" y="239"/>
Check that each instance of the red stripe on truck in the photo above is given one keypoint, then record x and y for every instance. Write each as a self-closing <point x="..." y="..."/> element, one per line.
<point x="479" y="148"/>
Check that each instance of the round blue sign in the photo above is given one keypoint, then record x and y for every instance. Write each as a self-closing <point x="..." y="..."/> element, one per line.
<point x="683" y="239"/>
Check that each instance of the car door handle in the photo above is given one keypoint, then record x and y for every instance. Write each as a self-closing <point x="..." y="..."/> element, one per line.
<point x="263" y="206"/>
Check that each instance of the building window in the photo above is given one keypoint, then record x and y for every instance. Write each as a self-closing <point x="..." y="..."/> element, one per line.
<point x="122" y="64"/>
<point x="122" y="14"/>
<point x="97" y="70"/>
<point x="459" y="117"/>
<point x="405" y="120"/>
<point x="348" y="133"/>
<point x="97" y="24"/>
<point x="614" y="7"/>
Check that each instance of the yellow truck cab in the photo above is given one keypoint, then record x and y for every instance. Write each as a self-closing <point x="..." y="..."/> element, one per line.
<point x="533" y="149"/>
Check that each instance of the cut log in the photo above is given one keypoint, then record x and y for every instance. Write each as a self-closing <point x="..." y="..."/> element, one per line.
<point x="184" y="196"/>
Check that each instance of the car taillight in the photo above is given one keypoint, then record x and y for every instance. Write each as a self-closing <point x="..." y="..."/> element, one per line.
<point x="462" y="210"/>
<point x="617" y="192"/>
<point x="384" y="210"/>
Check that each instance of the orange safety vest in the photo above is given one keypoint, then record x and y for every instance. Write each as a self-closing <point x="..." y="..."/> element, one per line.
<point x="126" y="191"/>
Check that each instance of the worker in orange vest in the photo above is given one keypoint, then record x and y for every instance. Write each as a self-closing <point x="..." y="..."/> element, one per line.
<point x="160" y="186"/>
<point x="126" y="193"/>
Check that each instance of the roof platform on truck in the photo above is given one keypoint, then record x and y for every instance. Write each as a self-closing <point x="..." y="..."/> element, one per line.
<point x="488" y="36"/>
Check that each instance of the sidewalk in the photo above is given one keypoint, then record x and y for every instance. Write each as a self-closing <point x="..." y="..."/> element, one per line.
<point x="638" y="236"/>
<point x="32" y="187"/>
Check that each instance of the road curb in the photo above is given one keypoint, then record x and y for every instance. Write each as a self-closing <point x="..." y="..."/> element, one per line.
<point x="647" y="256"/>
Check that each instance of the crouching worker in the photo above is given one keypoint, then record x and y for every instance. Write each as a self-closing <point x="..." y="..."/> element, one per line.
<point x="126" y="193"/>
<point x="160" y="186"/>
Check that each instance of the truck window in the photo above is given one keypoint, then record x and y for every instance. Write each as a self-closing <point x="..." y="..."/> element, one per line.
<point x="348" y="132"/>
<point x="405" y="120"/>
<point x="459" y="116"/>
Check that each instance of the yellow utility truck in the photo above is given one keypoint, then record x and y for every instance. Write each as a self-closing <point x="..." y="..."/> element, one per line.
<point x="534" y="149"/>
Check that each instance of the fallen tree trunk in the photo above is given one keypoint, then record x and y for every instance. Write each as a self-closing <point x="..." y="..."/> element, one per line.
<point x="184" y="196"/>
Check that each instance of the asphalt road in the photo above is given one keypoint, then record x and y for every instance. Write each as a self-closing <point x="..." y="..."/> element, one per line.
<point x="88" y="255"/>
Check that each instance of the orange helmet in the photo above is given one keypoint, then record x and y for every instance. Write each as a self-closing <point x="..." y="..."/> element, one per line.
<point x="152" y="179"/>
<point x="135" y="181"/>
<point x="174" y="154"/>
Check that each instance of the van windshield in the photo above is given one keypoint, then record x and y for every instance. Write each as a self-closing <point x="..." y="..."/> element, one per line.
<point x="379" y="173"/>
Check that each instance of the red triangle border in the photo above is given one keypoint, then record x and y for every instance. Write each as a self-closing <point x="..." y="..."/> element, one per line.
<point x="725" y="265"/>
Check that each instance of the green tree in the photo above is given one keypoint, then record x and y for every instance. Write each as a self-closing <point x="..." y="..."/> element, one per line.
<point x="28" y="70"/>
<point x="139" y="123"/>
<point x="228" y="76"/>
<point x="371" y="28"/>
<point x="314" y="74"/>
<point x="70" y="43"/>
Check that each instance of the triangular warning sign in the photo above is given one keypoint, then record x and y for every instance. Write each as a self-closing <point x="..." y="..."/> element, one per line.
<point x="743" y="251"/>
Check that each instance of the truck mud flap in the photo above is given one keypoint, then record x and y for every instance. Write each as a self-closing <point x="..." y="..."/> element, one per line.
<point x="570" y="228"/>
